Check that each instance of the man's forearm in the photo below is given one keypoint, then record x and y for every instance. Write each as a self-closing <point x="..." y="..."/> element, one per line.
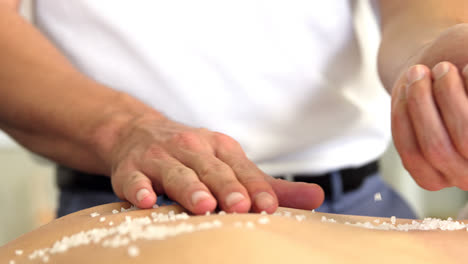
<point x="52" y="109"/>
<point x="409" y="28"/>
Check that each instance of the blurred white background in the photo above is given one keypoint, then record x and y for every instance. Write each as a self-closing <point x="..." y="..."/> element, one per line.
<point x="28" y="193"/>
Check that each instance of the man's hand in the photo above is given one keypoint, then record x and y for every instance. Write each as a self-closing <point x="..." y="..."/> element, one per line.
<point x="197" y="168"/>
<point x="430" y="112"/>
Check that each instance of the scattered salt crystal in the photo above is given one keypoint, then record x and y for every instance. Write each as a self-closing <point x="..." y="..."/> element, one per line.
<point x="111" y="223"/>
<point x="263" y="212"/>
<point x="376" y="221"/>
<point x="207" y="213"/>
<point x="102" y="219"/>
<point x="300" y="217"/>
<point x="94" y="214"/>
<point x="115" y="211"/>
<point x="221" y="213"/>
<point x="133" y="251"/>
<point x="393" y="219"/>
<point x="155" y="206"/>
<point x="217" y="223"/>
<point x="18" y="252"/>
<point x="329" y="220"/>
<point x="377" y="197"/>
<point x="263" y="220"/>
<point x="287" y="213"/>
<point x="249" y="225"/>
<point x="313" y="210"/>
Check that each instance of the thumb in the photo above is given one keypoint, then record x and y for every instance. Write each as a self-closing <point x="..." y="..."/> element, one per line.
<point x="136" y="188"/>
<point x="298" y="195"/>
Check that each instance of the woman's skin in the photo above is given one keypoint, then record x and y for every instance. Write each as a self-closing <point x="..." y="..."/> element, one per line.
<point x="283" y="239"/>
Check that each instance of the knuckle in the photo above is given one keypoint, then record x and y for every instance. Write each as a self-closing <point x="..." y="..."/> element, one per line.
<point x="175" y="174"/>
<point x="187" y="140"/>
<point x="226" y="142"/>
<point x="436" y="151"/>
<point x="155" y="152"/>
<point x="215" y="168"/>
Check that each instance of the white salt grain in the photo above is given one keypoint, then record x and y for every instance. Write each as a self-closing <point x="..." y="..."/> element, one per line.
<point x="221" y="213"/>
<point x="18" y="252"/>
<point x="249" y="225"/>
<point x="111" y="223"/>
<point x="300" y="217"/>
<point x="393" y="219"/>
<point x="155" y="206"/>
<point x="94" y="214"/>
<point x="115" y="211"/>
<point x="263" y="212"/>
<point x="102" y="219"/>
<point x="377" y="197"/>
<point x="313" y="210"/>
<point x="207" y="213"/>
<point x="263" y="220"/>
<point x="133" y="251"/>
<point x="376" y="221"/>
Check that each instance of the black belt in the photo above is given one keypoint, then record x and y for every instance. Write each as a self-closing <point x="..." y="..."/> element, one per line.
<point x="352" y="178"/>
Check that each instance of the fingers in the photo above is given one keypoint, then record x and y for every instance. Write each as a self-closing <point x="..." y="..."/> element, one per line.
<point x="263" y="197"/>
<point x="134" y="187"/>
<point x="182" y="184"/>
<point x="450" y="95"/>
<point x="404" y="136"/>
<point x="297" y="194"/>
<point x="431" y="133"/>
<point x="215" y="173"/>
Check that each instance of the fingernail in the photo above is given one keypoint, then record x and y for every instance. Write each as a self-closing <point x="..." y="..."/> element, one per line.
<point x="264" y="200"/>
<point x="198" y="196"/>
<point x="440" y="70"/>
<point x="415" y="73"/>
<point x="465" y="71"/>
<point x="234" y="198"/>
<point x="142" y="194"/>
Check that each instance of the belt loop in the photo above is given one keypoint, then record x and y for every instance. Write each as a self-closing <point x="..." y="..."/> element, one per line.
<point x="336" y="185"/>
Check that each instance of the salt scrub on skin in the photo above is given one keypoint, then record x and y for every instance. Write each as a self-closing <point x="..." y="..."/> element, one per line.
<point x="130" y="230"/>
<point x="94" y="214"/>
<point x="264" y="220"/>
<point x="133" y="251"/>
<point x="425" y="225"/>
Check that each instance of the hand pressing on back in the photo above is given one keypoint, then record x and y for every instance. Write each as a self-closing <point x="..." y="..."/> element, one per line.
<point x="198" y="168"/>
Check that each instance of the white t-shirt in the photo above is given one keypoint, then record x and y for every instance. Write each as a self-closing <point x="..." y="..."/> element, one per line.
<point x="288" y="79"/>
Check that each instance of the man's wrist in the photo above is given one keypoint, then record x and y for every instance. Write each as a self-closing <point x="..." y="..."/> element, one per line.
<point x="114" y="125"/>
